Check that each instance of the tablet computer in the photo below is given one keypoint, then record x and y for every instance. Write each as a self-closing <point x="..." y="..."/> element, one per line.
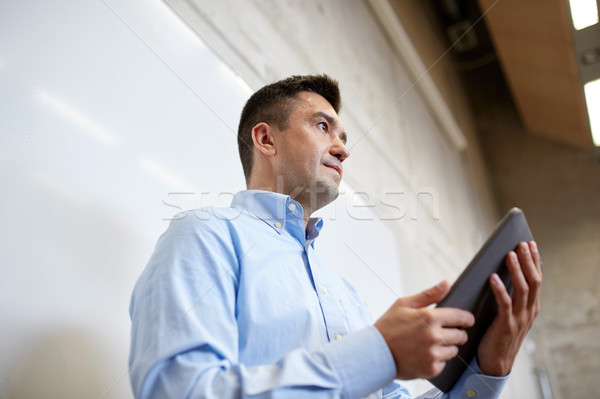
<point x="472" y="291"/>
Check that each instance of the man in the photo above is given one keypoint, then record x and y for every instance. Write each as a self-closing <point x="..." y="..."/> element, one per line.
<point x="234" y="302"/>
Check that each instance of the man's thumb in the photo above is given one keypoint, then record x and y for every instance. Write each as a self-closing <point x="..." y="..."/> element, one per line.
<point x="429" y="296"/>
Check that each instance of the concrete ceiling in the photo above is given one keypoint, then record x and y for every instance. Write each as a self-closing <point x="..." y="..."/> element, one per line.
<point x="532" y="41"/>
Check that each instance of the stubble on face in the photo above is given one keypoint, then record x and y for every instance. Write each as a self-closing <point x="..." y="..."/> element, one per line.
<point x="313" y="196"/>
<point x="309" y="171"/>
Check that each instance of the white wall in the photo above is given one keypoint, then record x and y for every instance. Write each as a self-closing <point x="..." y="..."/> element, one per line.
<point x="113" y="115"/>
<point x="105" y="108"/>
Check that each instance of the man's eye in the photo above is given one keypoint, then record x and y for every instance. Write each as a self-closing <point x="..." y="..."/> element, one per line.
<point x="322" y="125"/>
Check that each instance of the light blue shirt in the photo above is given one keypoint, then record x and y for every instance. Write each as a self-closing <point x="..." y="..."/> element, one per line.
<point x="235" y="303"/>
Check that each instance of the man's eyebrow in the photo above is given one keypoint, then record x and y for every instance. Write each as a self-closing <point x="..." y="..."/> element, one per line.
<point x="332" y="121"/>
<point x="326" y="116"/>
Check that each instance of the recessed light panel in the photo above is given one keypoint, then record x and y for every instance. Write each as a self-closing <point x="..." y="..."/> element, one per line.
<point x="584" y="13"/>
<point x="592" y="98"/>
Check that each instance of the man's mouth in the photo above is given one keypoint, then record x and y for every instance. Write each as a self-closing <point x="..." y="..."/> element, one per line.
<point x="335" y="167"/>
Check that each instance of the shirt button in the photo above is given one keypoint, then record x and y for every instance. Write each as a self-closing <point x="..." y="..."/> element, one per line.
<point x="338" y="336"/>
<point x="278" y="224"/>
<point x="292" y="207"/>
<point x="471" y="393"/>
<point x="324" y="290"/>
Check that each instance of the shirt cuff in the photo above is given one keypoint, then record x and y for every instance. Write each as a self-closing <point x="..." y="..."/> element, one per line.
<point x="362" y="361"/>
<point x="474" y="384"/>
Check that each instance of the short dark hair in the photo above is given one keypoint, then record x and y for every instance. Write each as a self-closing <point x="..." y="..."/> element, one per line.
<point x="273" y="105"/>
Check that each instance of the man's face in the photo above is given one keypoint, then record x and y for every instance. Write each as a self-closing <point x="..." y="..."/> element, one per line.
<point x="310" y="152"/>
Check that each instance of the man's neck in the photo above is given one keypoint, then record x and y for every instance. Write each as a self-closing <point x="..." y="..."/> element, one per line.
<point x="306" y="210"/>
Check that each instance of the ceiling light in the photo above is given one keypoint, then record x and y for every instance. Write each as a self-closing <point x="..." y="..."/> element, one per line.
<point x="592" y="98"/>
<point x="584" y="13"/>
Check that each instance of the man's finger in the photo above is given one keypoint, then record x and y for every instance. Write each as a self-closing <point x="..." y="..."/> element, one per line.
<point x="428" y="297"/>
<point x="536" y="256"/>
<point x="453" y="317"/>
<point x="533" y="275"/>
<point x="521" y="291"/>
<point x="502" y="297"/>
<point x="445" y="353"/>
<point x="453" y="336"/>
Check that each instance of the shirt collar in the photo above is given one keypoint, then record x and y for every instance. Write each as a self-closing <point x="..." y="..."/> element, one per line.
<point x="277" y="210"/>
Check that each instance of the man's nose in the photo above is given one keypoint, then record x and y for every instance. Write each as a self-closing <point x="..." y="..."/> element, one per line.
<point x="339" y="150"/>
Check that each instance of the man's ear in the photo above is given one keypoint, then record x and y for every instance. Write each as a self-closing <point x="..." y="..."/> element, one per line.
<point x="263" y="138"/>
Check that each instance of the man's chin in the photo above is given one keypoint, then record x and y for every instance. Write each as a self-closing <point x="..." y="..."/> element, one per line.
<point x="319" y="194"/>
<point x="334" y="194"/>
<point x="326" y="195"/>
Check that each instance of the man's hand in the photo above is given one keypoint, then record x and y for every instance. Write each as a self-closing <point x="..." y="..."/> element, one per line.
<point x="498" y="348"/>
<point x="422" y="340"/>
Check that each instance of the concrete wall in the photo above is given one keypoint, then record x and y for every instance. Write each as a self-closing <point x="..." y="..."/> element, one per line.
<point x="422" y="26"/>
<point x="396" y="144"/>
<point x="559" y="189"/>
<point x="399" y="153"/>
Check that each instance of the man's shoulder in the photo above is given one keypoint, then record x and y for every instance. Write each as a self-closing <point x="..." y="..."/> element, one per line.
<point x="210" y="214"/>
<point x="207" y="218"/>
<point x="204" y="227"/>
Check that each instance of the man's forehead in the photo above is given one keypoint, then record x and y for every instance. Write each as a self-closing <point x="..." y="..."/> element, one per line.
<point x="314" y="103"/>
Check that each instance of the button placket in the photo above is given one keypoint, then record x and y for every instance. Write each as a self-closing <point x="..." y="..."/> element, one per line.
<point x="334" y="316"/>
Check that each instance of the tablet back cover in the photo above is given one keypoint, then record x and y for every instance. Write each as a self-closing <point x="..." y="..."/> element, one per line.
<point x="472" y="292"/>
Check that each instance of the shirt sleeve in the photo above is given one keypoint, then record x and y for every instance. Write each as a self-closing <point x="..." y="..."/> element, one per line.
<point x="472" y="384"/>
<point x="184" y="339"/>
